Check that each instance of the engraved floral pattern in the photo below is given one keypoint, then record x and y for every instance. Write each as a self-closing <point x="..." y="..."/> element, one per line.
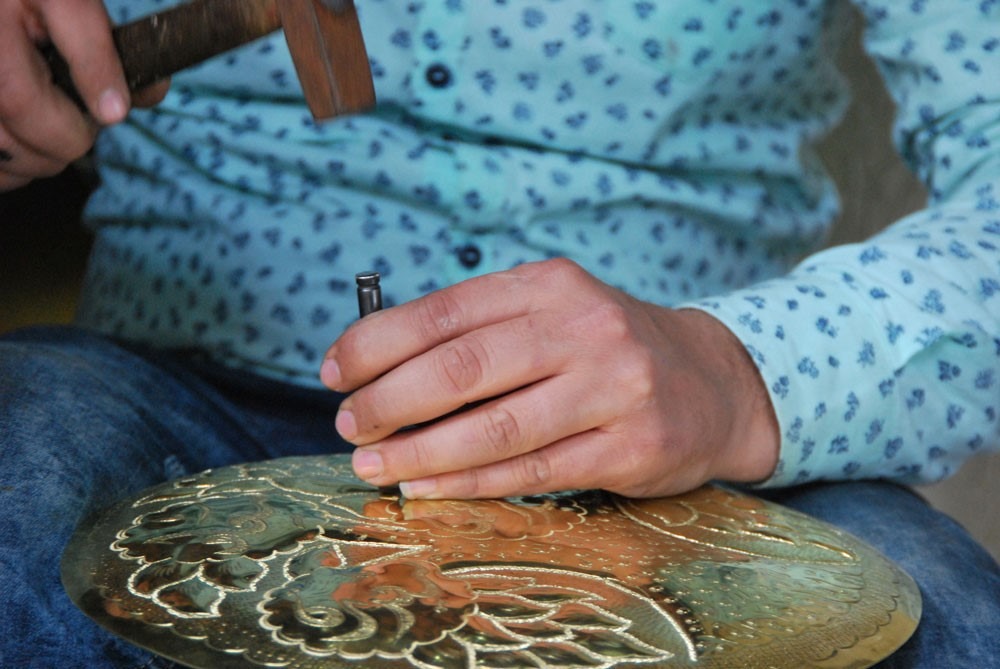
<point x="295" y="563"/>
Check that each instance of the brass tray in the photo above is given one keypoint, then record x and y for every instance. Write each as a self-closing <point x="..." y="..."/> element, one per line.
<point x="295" y="563"/>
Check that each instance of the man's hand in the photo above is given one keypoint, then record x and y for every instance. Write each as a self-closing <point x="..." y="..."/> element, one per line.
<point x="578" y="384"/>
<point x="41" y="129"/>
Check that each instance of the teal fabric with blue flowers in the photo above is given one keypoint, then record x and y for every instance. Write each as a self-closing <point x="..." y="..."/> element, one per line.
<point x="663" y="144"/>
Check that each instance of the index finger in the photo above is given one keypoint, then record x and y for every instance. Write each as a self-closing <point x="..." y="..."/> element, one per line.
<point x="386" y="339"/>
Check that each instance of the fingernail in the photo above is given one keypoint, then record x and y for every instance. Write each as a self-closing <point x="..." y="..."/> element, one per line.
<point x="419" y="489"/>
<point x="367" y="464"/>
<point x="346" y="424"/>
<point x="329" y="373"/>
<point x="111" y="106"/>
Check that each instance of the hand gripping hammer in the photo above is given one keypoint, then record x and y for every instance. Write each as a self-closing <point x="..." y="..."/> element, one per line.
<point x="324" y="38"/>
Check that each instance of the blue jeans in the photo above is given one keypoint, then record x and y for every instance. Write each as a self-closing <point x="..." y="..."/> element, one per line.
<point x="85" y="421"/>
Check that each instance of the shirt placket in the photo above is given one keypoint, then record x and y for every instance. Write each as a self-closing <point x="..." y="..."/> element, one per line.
<point x="473" y="193"/>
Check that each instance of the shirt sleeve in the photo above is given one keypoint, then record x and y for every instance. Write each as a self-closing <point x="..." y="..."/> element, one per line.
<point x="882" y="359"/>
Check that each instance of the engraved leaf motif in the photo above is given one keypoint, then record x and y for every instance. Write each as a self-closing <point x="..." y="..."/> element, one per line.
<point x="556" y="617"/>
<point x="482" y="616"/>
<point x="721" y="521"/>
<point x="384" y="611"/>
<point x="216" y="533"/>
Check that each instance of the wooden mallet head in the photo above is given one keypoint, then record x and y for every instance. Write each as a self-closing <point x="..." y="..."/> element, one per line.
<point x="328" y="50"/>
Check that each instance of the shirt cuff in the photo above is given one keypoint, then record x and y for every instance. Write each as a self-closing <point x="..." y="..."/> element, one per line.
<point x="866" y="383"/>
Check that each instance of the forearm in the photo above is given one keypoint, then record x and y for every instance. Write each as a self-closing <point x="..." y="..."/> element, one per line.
<point x="882" y="359"/>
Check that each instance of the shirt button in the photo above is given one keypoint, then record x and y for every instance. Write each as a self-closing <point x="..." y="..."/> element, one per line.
<point x="438" y="76"/>
<point x="469" y="255"/>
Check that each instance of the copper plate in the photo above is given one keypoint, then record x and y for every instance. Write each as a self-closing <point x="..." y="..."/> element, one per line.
<point x="295" y="563"/>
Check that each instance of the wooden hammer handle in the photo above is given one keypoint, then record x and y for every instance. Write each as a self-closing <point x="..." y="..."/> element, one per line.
<point x="160" y="45"/>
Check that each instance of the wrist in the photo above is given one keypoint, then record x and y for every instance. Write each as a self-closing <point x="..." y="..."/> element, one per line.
<point x="750" y="445"/>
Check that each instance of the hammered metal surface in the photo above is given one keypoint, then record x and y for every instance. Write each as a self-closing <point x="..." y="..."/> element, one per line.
<point x="295" y="563"/>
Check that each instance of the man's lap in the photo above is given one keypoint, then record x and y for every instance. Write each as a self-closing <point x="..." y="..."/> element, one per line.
<point x="85" y="421"/>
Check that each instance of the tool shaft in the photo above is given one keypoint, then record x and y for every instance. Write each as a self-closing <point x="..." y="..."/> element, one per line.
<point x="369" y="293"/>
<point x="166" y="43"/>
<point x="370" y="301"/>
<point x="160" y="45"/>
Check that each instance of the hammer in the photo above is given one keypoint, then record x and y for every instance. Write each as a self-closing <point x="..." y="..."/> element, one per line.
<point x="324" y="38"/>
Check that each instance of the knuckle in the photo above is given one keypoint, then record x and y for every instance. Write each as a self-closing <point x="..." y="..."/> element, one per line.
<point x="613" y="321"/>
<point x="368" y="405"/>
<point x="462" y="365"/>
<point x="560" y="269"/>
<point x="471" y="486"/>
<point x="637" y="372"/>
<point x="421" y="460"/>
<point x="603" y="323"/>
<point x="532" y="473"/>
<point x="629" y="476"/>
<point x="412" y="458"/>
<point x="438" y="316"/>
<point x="563" y="275"/>
<point x="501" y="432"/>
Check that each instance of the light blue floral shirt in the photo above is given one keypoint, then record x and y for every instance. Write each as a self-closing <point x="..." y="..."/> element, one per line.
<point x="663" y="144"/>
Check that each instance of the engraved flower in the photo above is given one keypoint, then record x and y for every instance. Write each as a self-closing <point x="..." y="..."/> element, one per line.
<point x="193" y="552"/>
<point x="487" y="615"/>
<point x="293" y="561"/>
<point x="385" y="610"/>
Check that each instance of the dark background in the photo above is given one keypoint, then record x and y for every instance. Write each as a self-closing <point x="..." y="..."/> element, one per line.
<point x="43" y="249"/>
